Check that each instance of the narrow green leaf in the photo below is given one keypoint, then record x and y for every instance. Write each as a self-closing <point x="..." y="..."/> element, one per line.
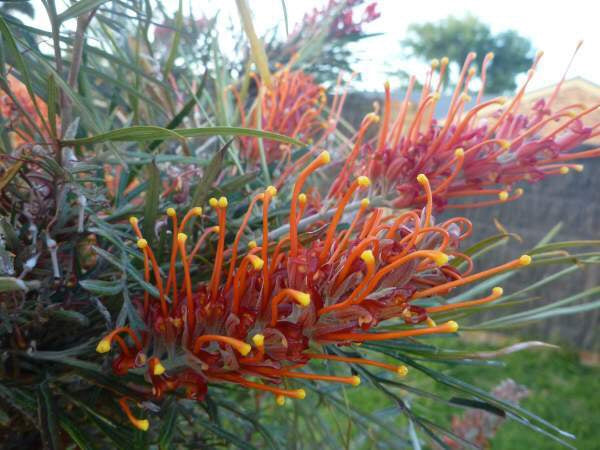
<point x="79" y="8"/>
<point x="175" y="43"/>
<point x="52" y="102"/>
<point x="48" y="417"/>
<point x="210" y="175"/>
<point x="101" y="287"/>
<point x="151" y="202"/>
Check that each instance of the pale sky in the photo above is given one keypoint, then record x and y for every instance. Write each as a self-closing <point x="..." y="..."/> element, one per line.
<point x="552" y="26"/>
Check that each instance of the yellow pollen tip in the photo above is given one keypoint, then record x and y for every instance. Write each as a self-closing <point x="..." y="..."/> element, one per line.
<point x="490" y="55"/>
<point x="256" y="262"/>
<point x="216" y="228"/>
<point x="363" y="181"/>
<point x="502" y="100"/>
<point x="365" y="202"/>
<point x="498" y="291"/>
<point x="430" y="322"/>
<point x="441" y="259"/>
<point x="435" y="63"/>
<point x="539" y="54"/>
<point x="302" y="198"/>
<point x="402" y="371"/>
<point x="213" y="202"/>
<point x="466" y="98"/>
<point x="303" y="298"/>
<point x="564" y="170"/>
<point x="386" y="85"/>
<point x="368" y="257"/>
<point x="325" y="157"/>
<point x="103" y="346"/>
<point x="181" y="237"/>
<point x="301" y="393"/>
<point x="171" y="212"/>
<point x="472" y="71"/>
<point x="572" y="114"/>
<point x="459" y="153"/>
<point x="272" y="190"/>
<point x="259" y="340"/>
<point x="525" y="260"/>
<point x="142" y="424"/>
<point x="435" y="96"/>
<point x="159" y="369"/>
<point x="245" y="349"/>
<point x="142" y="243"/>
<point x="252" y="244"/>
<point x="503" y="196"/>
<point x="578" y="167"/>
<point x="452" y="326"/>
<point x="197" y="211"/>
<point x="355" y="380"/>
<point x="445" y="61"/>
<point x="519" y="191"/>
<point x="223" y="202"/>
<point x="505" y="144"/>
<point x="133" y="220"/>
<point x="422" y="178"/>
<point x="280" y="400"/>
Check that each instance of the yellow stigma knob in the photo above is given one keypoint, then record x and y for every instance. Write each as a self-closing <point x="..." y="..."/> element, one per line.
<point x="564" y="170"/>
<point x="368" y="257"/>
<point x="142" y="424"/>
<point x="440" y="259"/>
<point x="355" y="380"/>
<point x="213" y="202"/>
<point x="498" y="291"/>
<point x="452" y="326"/>
<point x="103" y="346"/>
<point x="133" y="220"/>
<point x="386" y="85"/>
<point x="578" y="167"/>
<point x="435" y="63"/>
<point x="402" y="371"/>
<point x="365" y="202"/>
<point x="363" y="181"/>
<point x="197" y="211"/>
<point x="435" y="96"/>
<point x="244" y="349"/>
<point x="472" y="71"/>
<point x="422" y="178"/>
<point x="142" y="243"/>
<point x="489" y="56"/>
<point x="171" y="212"/>
<point x="252" y="244"/>
<point x="256" y="262"/>
<point x="445" y="61"/>
<point x="325" y="157"/>
<point x="216" y="229"/>
<point x="302" y="198"/>
<point x="259" y="340"/>
<point x="525" y="260"/>
<point x="465" y="98"/>
<point x="519" y="192"/>
<point x="272" y="190"/>
<point x="459" y="153"/>
<point x="301" y="394"/>
<point x="503" y="196"/>
<point x="159" y="369"/>
<point x="223" y="202"/>
<point x="280" y="400"/>
<point x="303" y="298"/>
<point x="182" y="237"/>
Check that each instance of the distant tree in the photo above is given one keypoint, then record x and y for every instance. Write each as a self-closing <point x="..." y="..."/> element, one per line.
<point x="456" y="37"/>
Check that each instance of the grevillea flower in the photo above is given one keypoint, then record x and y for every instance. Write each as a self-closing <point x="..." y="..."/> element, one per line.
<point x="268" y="306"/>
<point x="292" y="105"/>
<point x="26" y="116"/>
<point x="479" y="152"/>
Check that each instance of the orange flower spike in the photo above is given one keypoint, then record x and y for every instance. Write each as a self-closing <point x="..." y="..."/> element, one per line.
<point x="197" y="212"/>
<point x="140" y="424"/>
<point x="240" y="346"/>
<point x="143" y="245"/>
<point x="524" y="260"/>
<point x="299" y="394"/>
<point x="239" y="283"/>
<point x="503" y="197"/>
<point x="386" y="117"/>
<point x="459" y="158"/>
<point x="399" y="123"/>
<point x="301" y="298"/>
<point x="369" y="260"/>
<point x="364" y="204"/>
<point x="352" y="380"/>
<point x="361" y="181"/>
<point x="321" y="160"/>
<point x="424" y="181"/>
<point x="486" y="61"/>
<point x="355" y="253"/>
<point x="172" y="278"/>
<point x="399" y="370"/>
<point x="495" y="295"/>
<point x="449" y="327"/>
<point x="221" y="207"/>
<point x="136" y="229"/>
<point x="269" y="193"/>
<point x="205" y="234"/>
<point x="430" y="101"/>
<point x="191" y="310"/>
<point x="105" y="343"/>
<point x="238" y="236"/>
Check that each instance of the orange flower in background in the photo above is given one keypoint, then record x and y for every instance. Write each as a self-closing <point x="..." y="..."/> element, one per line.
<point x="266" y="309"/>
<point x="21" y="112"/>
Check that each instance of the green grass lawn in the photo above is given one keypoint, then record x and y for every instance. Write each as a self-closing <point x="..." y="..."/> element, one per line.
<point x="562" y="391"/>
